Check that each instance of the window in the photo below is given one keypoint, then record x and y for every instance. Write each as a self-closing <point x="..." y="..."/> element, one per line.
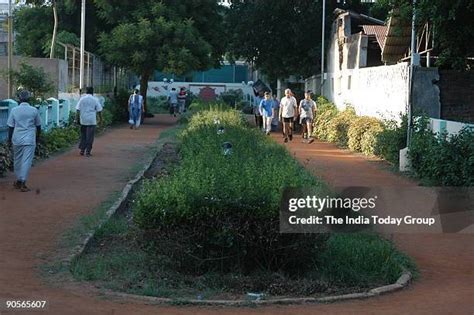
<point x="349" y="82"/>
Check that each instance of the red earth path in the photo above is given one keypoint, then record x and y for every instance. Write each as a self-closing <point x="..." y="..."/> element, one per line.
<point x="68" y="186"/>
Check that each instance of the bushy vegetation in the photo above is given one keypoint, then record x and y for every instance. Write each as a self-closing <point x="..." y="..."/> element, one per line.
<point x="220" y="212"/>
<point x="339" y="126"/>
<point x="157" y="105"/>
<point x="363" y="128"/>
<point x="441" y="159"/>
<point x="435" y="159"/>
<point x="391" y="140"/>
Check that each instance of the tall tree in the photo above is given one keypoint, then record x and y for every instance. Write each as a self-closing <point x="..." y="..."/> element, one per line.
<point x="170" y="36"/>
<point x="281" y="38"/>
<point x="54" y="7"/>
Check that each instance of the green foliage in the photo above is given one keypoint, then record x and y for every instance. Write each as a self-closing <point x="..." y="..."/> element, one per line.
<point x="391" y="140"/>
<point x="363" y="127"/>
<point x="64" y="37"/>
<point x="32" y="78"/>
<point x="55" y="140"/>
<point x="157" y="105"/>
<point x="6" y="159"/>
<point x="220" y="212"/>
<point x="258" y="37"/>
<point x="231" y="97"/>
<point x="362" y="259"/>
<point x="34" y="26"/>
<point x="325" y="112"/>
<point x="442" y="160"/>
<point x="339" y="126"/>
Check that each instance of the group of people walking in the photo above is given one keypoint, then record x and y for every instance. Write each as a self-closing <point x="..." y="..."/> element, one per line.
<point x="269" y="112"/>
<point x="24" y="129"/>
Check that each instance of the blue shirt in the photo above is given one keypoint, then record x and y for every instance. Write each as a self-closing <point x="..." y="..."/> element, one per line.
<point x="266" y="108"/>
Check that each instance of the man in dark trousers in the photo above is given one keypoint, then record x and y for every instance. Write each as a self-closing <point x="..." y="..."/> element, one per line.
<point x="87" y="110"/>
<point x="24" y="127"/>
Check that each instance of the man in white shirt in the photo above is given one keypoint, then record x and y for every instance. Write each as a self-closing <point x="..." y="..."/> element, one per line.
<point x="87" y="110"/>
<point x="288" y="113"/>
<point x="24" y="127"/>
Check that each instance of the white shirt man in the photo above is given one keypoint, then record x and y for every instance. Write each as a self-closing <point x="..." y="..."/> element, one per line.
<point x="288" y="111"/>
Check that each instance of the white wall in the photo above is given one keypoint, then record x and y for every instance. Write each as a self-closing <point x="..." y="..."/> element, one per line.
<point x="156" y="89"/>
<point x="375" y="91"/>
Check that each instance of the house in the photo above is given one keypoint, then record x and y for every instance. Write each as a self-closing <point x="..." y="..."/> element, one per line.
<point x="368" y="69"/>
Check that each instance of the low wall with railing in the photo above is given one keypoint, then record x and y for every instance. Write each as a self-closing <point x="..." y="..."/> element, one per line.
<point x="53" y="112"/>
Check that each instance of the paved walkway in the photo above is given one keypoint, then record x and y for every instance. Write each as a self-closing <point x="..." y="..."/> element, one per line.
<point x="69" y="186"/>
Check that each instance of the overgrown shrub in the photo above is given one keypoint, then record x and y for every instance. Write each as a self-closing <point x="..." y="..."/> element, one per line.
<point x="326" y="111"/>
<point x="231" y="97"/>
<point x="221" y="212"/>
<point x="118" y="107"/>
<point x="157" y="105"/>
<point x="55" y="140"/>
<point x="358" y="128"/>
<point x="441" y="159"/>
<point x="339" y="126"/>
<point x="391" y="140"/>
<point x="368" y="143"/>
<point x="6" y="159"/>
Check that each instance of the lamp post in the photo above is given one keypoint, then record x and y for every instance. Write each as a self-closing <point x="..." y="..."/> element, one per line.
<point x="10" y="49"/>
<point x="323" y="27"/>
<point x="83" y="35"/>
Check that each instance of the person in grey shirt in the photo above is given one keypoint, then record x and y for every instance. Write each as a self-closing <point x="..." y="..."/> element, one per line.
<point x="87" y="110"/>
<point x="24" y="125"/>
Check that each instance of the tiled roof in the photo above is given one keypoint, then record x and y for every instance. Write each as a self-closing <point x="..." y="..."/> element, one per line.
<point x="380" y="32"/>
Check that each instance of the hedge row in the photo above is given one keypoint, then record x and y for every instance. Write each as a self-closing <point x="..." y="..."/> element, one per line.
<point x="221" y="212"/>
<point x="365" y="134"/>
<point x="436" y="159"/>
<point x="442" y="160"/>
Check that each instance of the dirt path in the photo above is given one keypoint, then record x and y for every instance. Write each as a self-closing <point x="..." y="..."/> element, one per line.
<point x="69" y="186"/>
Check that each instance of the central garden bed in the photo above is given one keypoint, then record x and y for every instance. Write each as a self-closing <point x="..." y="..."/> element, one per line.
<point x="205" y="225"/>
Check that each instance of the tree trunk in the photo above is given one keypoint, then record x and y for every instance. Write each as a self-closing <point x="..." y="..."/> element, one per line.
<point x="145" y="77"/>
<point x="55" y="29"/>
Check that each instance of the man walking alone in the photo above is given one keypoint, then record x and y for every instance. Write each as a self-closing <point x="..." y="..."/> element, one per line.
<point x="86" y="114"/>
<point x="24" y="125"/>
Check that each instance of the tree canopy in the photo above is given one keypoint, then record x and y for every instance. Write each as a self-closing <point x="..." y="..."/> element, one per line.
<point x="170" y="36"/>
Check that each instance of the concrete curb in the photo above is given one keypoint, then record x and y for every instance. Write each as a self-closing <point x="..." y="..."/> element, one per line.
<point x="401" y="283"/>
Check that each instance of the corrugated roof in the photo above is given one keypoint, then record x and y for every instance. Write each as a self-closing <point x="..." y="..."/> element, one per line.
<point x="380" y="32"/>
<point x="397" y="40"/>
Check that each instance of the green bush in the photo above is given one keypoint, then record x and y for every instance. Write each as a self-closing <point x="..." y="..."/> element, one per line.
<point x="231" y="97"/>
<point x="358" y="128"/>
<point x="6" y="159"/>
<point x="368" y="143"/>
<point x="339" y="126"/>
<point x="55" y="140"/>
<point x="442" y="160"/>
<point x="325" y="112"/>
<point x="391" y="140"/>
<point x="221" y="212"/>
<point x="157" y="105"/>
<point x="118" y="107"/>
